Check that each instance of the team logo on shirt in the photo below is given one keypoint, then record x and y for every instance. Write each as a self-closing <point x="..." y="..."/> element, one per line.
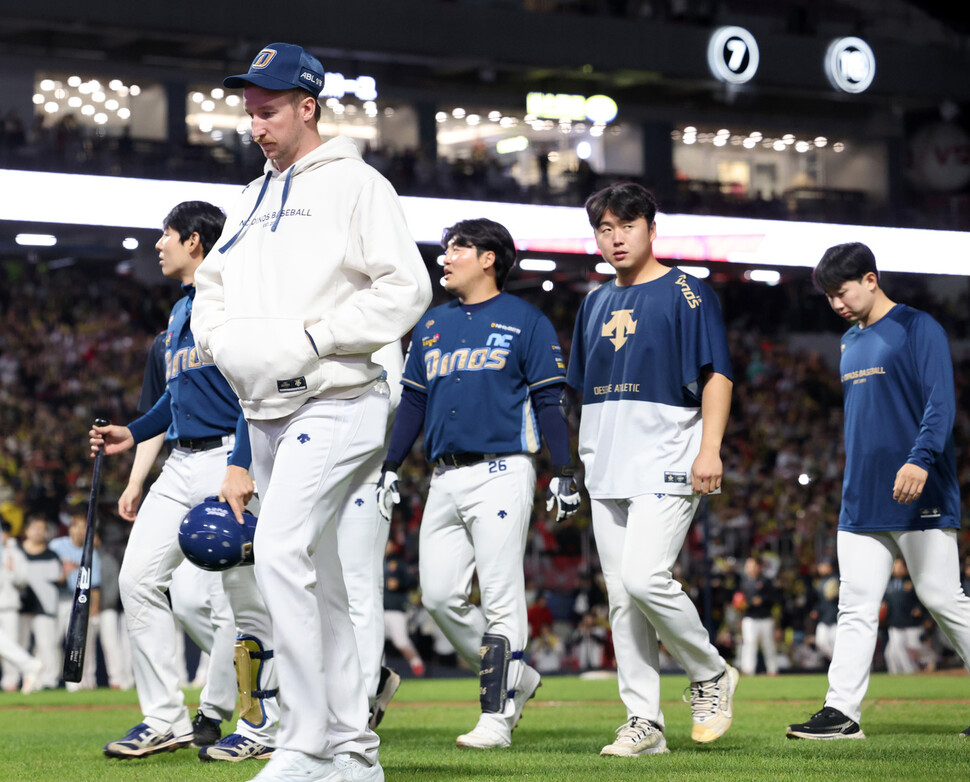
<point x="428" y="342"/>
<point x="692" y="298"/>
<point x="619" y="327"/>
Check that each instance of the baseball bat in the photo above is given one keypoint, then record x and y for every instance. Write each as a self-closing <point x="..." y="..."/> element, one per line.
<point x="77" y="630"/>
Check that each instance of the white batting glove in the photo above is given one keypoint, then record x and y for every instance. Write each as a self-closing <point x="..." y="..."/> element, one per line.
<point x="563" y="495"/>
<point x="387" y="493"/>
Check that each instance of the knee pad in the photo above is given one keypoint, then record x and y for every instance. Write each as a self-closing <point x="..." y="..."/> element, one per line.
<point x="251" y="660"/>
<point x="494" y="673"/>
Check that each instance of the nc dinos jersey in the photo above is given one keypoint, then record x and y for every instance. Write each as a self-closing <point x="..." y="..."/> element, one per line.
<point x="478" y="364"/>
<point x="637" y="356"/>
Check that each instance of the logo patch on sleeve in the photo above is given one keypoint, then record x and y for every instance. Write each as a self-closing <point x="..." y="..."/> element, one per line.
<point x="291" y="386"/>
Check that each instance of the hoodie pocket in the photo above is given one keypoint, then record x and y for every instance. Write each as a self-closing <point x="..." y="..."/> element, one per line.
<point x="265" y="358"/>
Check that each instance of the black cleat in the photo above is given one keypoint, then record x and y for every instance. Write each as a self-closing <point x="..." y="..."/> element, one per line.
<point x="965" y="734"/>
<point x="387" y="686"/>
<point x="205" y="730"/>
<point x="828" y="723"/>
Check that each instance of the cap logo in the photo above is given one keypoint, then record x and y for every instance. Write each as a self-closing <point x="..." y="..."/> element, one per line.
<point x="264" y="58"/>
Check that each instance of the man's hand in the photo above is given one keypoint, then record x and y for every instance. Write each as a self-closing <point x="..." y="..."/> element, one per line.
<point x="115" y="439"/>
<point x="237" y="490"/>
<point x="128" y="502"/>
<point x="563" y="494"/>
<point x="387" y="493"/>
<point x="910" y="481"/>
<point x="705" y="474"/>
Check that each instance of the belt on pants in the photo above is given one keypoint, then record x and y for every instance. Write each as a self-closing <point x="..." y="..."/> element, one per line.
<point x="201" y="444"/>
<point x="464" y="459"/>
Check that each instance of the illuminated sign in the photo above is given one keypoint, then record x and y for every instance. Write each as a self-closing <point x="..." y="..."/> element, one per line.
<point x="336" y="85"/>
<point x="850" y="64"/>
<point x="597" y="108"/>
<point x="732" y="55"/>
<point x="514" y="144"/>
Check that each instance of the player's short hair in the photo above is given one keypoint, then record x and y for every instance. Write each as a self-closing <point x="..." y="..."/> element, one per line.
<point x="200" y="217"/>
<point x="484" y="235"/>
<point x="627" y="200"/>
<point x="297" y="94"/>
<point x="843" y="263"/>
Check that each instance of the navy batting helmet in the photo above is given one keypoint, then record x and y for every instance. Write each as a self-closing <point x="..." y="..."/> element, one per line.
<point x="211" y="538"/>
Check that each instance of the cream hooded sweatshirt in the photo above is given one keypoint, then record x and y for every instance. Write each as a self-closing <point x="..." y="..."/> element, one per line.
<point x="315" y="270"/>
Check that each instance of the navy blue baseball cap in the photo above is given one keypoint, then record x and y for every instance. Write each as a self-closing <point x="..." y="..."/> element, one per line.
<point x="282" y="66"/>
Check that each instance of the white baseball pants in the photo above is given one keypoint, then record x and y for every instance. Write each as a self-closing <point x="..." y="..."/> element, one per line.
<point x="151" y="557"/>
<point x="304" y="465"/>
<point x="758" y="634"/>
<point x="477" y="518"/>
<point x="865" y="565"/>
<point x="638" y="541"/>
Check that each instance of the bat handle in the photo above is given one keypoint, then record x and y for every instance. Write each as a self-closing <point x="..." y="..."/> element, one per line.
<point x="102" y="422"/>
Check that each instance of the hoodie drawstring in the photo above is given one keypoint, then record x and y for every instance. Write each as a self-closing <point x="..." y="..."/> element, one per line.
<point x="245" y="222"/>
<point x="286" y="192"/>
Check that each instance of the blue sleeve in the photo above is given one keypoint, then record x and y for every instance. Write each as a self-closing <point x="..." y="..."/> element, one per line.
<point x="153" y="383"/>
<point x="703" y="340"/>
<point x="407" y="424"/>
<point x="155" y="421"/>
<point x="553" y="425"/>
<point x="576" y="372"/>
<point x="544" y="364"/>
<point x="931" y="351"/>
<point x="242" y="453"/>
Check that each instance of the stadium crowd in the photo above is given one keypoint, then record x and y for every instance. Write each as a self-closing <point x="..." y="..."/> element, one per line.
<point x="73" y="344"/>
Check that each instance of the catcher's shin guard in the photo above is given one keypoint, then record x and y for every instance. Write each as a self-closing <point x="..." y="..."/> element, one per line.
<point x="252" y="662"/>
<point x="494" y="673"/>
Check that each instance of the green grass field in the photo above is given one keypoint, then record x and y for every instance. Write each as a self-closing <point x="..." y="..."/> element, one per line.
<point x="912" y="724"/>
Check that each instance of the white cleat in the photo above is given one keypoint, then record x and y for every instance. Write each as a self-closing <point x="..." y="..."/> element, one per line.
<point x="636" y="737"/>
<point x="491" y="732"/>
<point x="712" y="706"/>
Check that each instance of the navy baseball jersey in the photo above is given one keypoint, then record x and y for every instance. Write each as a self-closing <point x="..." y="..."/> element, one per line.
<point x="637" y="356"/>
<point x="478" y="365"/>
<point x="900" y="406"/>
<point x="198" y="402"/>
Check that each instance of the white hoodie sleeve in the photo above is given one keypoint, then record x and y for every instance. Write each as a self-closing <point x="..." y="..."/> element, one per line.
<point x="400" y="289"/>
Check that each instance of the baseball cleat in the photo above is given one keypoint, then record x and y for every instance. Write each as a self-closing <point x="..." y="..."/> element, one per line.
<point x="142" y="741"/>
<point x="287" y="765"/>
<point x="235" y="747"/>
<point x="965" y="734"/>
<point x="529" y="682"/>
<point x="491" y="732"/>
<point x="828" y="723"/>
<point x="711" y="705"/>
<point x="354" y="769"/>
<point x="387" y="686"/>
<point x="205" y="730"/>
<point x="636" y="737"/>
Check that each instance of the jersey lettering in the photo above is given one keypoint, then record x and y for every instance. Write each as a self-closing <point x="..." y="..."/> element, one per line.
<point x="438" y="364"/>
<point x="692" y="298"/>
<point x="186" y="358"/>
<point x="501" y="340"/>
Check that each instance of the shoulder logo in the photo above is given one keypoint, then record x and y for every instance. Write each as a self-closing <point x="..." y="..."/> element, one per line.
<point x="619" y="327"/>
<point x="264" y="58"/>
<point x="303" y="438"/>
<point x="692" y="298"/>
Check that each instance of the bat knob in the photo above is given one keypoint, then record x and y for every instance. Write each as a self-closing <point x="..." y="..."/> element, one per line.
<point x="102" y="422"/>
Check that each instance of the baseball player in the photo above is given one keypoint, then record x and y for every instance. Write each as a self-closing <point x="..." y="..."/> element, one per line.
<point x="483" y="376"/>
<point x="215" y="609"/>
<point x="316" y="270"/>
<point x="900" y="492"/>
<point x="650" y="358"/>
<point x="203" y="421"/>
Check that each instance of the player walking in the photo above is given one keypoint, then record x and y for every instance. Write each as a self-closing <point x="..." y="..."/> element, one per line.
<point x="483" y="376"/>
<point x="205" y="424"/>
<point x="650" y="358"/>
<point x="900" y="405"/>
<point x="315" y="272"/>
